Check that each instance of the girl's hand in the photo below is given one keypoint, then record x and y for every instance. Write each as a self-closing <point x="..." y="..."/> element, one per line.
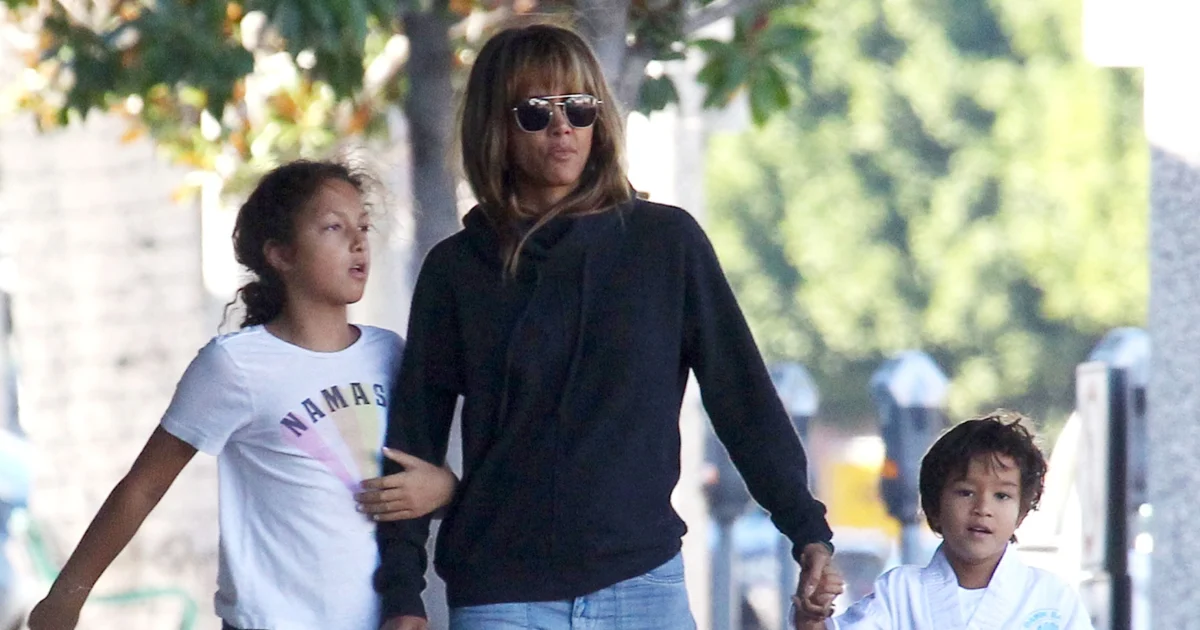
<point x="54" y="613"/>
<point x="414" y="492"/>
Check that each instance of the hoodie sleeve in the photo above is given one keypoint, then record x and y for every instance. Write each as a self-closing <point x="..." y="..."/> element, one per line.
<point x="423" y="400"/>
<point x="741" y="400"/>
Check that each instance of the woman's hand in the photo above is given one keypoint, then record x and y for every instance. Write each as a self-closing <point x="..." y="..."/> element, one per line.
<point x="417" y="490"/>
<point x="830" y="586"/>
<point x="820" y="584"/>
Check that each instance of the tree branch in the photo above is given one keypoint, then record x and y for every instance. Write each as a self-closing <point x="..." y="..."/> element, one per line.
<point x="698" y="18"/>
<point x="605" y="24"/>
<point x="629" y="79"/>
<point x="474" y="25"/>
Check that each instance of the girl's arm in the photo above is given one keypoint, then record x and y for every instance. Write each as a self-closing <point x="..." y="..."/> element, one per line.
<point x="152" y="473"/>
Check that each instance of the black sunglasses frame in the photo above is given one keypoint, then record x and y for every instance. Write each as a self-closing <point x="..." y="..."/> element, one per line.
<point x="564" y="102"/>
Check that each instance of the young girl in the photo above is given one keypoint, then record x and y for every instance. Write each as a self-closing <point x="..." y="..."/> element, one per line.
<point x="567" y="314"/>
<point x="978" y="482"/>
<point x="293" y="405"/>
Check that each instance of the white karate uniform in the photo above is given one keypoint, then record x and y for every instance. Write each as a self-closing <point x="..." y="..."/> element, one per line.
<point x="1019" y="597"/>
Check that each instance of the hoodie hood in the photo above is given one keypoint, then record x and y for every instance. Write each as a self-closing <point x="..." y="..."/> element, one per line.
<point x="561" y="234"/>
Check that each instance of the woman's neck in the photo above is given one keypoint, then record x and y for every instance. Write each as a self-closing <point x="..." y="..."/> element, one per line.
<point x="538" y="200"/>
<point x="319" y="330"/>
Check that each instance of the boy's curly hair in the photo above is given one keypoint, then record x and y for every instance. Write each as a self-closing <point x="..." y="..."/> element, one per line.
<point x="998" y="433"/>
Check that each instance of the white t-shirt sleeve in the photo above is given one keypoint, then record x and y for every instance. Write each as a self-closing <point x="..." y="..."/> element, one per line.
<point x="211" y="401"/>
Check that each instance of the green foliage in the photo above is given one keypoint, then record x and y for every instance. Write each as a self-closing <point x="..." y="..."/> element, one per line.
<point x="951" y="176"/>
<point x="175" y="43"/>
<point x="226" y="87"/>
<point x="656" y="93"/>
<point x="757" y="59"/>
<point x="335" y="32"/>
<point x="235" y="86"/>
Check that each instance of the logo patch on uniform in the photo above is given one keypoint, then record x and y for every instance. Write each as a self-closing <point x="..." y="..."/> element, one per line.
<point x="1044" y="619"/>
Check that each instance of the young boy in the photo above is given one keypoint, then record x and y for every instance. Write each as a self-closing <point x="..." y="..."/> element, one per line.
<point x="978" y="481"/>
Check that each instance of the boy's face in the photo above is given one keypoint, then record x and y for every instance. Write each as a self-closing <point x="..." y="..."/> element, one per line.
<point x="980" y="512"/>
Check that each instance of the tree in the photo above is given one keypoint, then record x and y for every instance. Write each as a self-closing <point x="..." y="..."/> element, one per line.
<point x="232" y="87"/>
<point x="953" y="176"/>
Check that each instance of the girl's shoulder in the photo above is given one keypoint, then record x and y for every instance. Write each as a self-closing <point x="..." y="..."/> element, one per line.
<point x="236" y="341"/>
<point x="381" y="337"/>
<point x="254" y="344"/>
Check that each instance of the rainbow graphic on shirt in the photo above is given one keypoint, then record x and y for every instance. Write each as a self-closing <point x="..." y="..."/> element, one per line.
<point x="341" y="427"/>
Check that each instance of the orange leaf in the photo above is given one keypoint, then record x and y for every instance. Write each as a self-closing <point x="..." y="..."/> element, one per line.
<point x="132" y="134"/>
<point x="285" y="106"/>
<point x="361" y="118"/>
<point x="234" y="11"/>
<point x="238" y="140"/>
<point x="129" y="11"/>
<point x="461" y="7"/>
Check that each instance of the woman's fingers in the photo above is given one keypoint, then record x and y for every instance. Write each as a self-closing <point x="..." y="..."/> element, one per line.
<point x="399" y="515"/>
<point x="384" y="500"/>
<point x="404" y="459"/>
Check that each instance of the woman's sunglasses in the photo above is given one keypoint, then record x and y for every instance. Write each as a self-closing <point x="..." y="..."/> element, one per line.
<point x="534" y="114"/>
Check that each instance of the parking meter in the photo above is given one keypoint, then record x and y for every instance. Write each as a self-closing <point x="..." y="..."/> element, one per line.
<point x="909" y="391"/>
<point x="1111" y="403"/>
<point x="798" y="392"/>
<point x="1127" y="352"/>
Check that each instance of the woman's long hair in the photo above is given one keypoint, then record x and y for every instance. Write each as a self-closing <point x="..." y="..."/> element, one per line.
<point x="509" y="63"/>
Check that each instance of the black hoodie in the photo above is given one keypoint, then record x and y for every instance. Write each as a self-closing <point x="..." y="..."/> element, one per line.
<point x="572" y="376"/>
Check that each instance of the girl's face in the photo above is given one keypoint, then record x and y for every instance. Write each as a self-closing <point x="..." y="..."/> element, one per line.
<point x="549" y="162"/>
<point x="980" y="512"/>
<point x="329" y="257"/>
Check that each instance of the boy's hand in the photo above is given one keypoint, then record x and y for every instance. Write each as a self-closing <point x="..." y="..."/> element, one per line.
<point x="816" y="592"/>
<point x="414" y="492"/>
<point x="407" y="622"/>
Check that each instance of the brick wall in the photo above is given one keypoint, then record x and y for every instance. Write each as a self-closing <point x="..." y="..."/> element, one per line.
<point x="108" y="309"/>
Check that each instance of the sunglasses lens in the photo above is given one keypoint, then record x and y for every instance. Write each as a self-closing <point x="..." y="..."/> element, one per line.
<point x="534" y="115"/>
<point x="581" y="111"/>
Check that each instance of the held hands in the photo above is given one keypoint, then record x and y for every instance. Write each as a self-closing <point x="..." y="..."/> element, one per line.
<point x="820" y="583"/>
<point x="414" y="492"/>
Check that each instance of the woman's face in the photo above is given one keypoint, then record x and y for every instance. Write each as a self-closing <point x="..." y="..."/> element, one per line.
<point x="548" y="162"/>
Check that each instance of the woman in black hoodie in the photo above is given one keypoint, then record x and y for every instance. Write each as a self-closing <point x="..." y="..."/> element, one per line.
<point x="567" y="315"/>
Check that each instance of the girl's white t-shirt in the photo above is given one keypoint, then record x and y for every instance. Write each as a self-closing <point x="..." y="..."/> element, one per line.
<point x="294" y="431"/>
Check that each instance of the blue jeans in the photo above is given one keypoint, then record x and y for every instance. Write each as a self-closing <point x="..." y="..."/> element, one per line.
<point x="654" y="601"/>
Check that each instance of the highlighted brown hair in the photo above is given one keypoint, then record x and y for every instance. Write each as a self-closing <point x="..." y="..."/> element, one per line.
<point x="513" y="60"/>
